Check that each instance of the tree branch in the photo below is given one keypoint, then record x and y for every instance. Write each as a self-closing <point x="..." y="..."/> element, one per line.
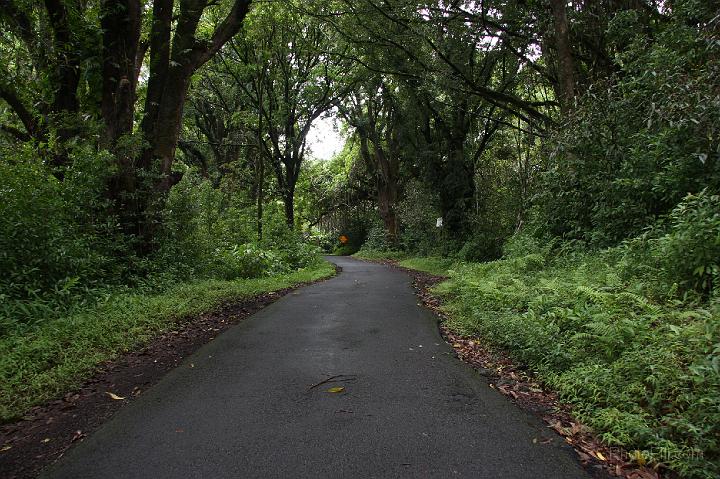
<point x="20" y="135"/>
<point x="223" y="33"/>
<point x="11" y="97"/>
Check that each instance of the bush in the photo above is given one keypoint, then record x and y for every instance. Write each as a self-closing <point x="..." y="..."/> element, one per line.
<point x="690" y="251"/>
<point x="58" y="243"/>
<point x="345" y="250"/>
<point x="484" y="246"/>
<point x="300" y="255"/>
<point x="205" y="234"/>
<point x="418" y="212"/>
<point x="520" y="245"/>
<point x="682" y="253"/>
<point x="197" y="221"/>
<point x="247" y="261"/>
<point x="377" y="238"/>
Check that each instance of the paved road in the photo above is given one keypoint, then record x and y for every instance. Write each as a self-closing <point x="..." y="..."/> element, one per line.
<point x="409" y="408"/>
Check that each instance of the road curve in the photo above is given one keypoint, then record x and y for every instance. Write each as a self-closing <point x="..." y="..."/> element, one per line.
<point x="246" y="409"/>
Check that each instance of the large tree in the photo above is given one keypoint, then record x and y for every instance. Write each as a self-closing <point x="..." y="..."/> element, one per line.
<point x="62" y="38"/>
<point x="285" y="66"/>
<point x="376" y="115"/>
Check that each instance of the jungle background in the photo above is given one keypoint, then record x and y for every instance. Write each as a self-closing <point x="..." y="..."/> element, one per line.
<point x="558" y="160"/>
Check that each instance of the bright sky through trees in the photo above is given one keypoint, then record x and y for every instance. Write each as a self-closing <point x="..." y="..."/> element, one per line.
<point x="325" y="139"/>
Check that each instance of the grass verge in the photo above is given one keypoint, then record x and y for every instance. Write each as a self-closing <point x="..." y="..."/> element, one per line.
<point x="642" y="371"/>
<point x="433" y="264"/>
<point x="58" y="355"/>
<point x="436" y="265"/>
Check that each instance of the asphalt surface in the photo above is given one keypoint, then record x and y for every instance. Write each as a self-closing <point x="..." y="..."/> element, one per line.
<point x="245" y="409"/>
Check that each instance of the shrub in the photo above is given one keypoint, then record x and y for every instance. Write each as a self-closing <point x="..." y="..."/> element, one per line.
<point x="642" y="372"/>
<point x="345" y="250"/>
<point x="377" y="238"/>
<point x="484" y="246"/>
<point x="246" y="261"/>
<point x="690" y="251"/>
<point x="300" y="255"/>
<point x="681" y="254"/>
<point x="58" y="243"/>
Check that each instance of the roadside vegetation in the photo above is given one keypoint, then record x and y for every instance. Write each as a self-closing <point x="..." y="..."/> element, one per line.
<point x="613" y="331"/>
<point x="57" y="355"/>
<point x="635" y="359"/>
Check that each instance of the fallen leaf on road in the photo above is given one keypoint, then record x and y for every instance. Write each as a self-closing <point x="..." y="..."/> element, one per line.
<point x="336" y="390"/>
<point x="114" y="396"/>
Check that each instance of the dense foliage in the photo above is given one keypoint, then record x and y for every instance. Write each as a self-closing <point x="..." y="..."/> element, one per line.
<point x="640" y="141"/>
<point x="613" y="334"/>
<point x="146" y="147"/>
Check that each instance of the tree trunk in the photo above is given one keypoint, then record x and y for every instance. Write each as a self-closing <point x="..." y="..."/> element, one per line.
<point x="171" y="67"/>
<point x="387" y="188"/>
<point x="457" y="189"/>
<point x="260" y="175"/>
<point x="66" y="78"/>
<point x="159" y="64"/>
<point x="67" y="67"/>
<point x="168" y="125"/>
<point x="289" y="203"/>
<point x="120" y="21"/>
<point x="566" y="65"/>
<point x="385" y="171"/>
<point x="386" y="204"/>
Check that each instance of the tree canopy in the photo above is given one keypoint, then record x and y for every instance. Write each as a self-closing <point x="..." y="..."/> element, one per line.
<point x="146" y="141"/>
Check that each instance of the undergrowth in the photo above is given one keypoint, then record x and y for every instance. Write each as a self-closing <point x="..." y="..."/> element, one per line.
<point x="56" y="356"/>
<point x="642" y="373"/>
<point x="433" y="264"/>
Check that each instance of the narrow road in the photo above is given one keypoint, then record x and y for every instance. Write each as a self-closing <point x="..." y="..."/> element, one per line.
<point x="245" y="408"/>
